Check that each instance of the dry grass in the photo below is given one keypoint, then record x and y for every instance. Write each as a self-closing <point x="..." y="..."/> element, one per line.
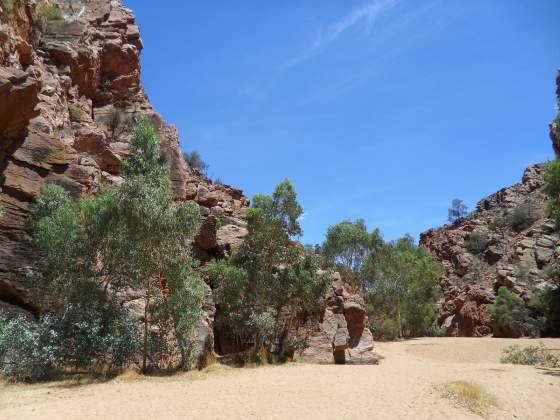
<point x="469" y="395"/>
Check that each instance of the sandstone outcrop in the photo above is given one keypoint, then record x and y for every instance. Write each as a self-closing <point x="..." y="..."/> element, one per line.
<point x="516" y="257"/>
<point x="513" y="258"/>
<point x="67" y="97"/>
<point x="343" y="335"/>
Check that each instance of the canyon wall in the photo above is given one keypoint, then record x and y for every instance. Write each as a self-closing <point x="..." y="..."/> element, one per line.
<point x="69" y="87"/>
<point x="517" y="258"/>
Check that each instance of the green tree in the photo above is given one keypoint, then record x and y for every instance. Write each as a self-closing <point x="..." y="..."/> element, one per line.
<point x="131" y="236"/>
<point x="194" y="161"/>
<point x="270" y="282"/>
<point x="349" y="243"/>
<point x="401" y="289"/>
<point x="458" y="211"/>
<point x="511" y="315"/>
<point x="552" y="190"/>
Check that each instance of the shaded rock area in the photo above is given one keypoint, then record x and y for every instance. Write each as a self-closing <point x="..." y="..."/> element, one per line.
<point x="514" y="258"/>
<point x="343" y="335"/>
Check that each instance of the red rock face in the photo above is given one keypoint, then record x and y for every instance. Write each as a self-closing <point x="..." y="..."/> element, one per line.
<point x="65" y="98"/>
<point x="512" y="258"/>
<point x="343" y="335"/>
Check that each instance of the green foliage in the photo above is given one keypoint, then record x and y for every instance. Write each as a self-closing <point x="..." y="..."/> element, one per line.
<point x="269" y="285"/>
<point x="531" y="356"/>
<point x="25" y="350"/>
<point x="132" y="236"/>
<point x="511" y="315"/>
<point x="401" y="289"/>
<point x="477" y="243"/>
<point x="552" y="190"/>
<point x="119" y="122"/>
<point x="282" y="209"/>
<point x="457" y="212"/>
<point x="8" y="8"/>
<point x="349" y="243"/>
<point x="522" y="216"/>
<point x="75" y="112"/>
<point x="50" y="18"/>
<point x="545" y="307"/>
<point x="194" y="161"/>
<point x="496" y="225"/>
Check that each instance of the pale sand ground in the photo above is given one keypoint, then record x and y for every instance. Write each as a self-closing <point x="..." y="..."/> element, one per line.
<point x="402" y="387"/>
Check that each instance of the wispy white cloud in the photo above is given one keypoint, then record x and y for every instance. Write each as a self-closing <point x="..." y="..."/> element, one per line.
<point x="363" y="17"/>
<point x="303" y="216"/>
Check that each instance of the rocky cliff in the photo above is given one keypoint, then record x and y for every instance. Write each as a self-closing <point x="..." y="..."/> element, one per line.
<point x="517" y="257"/>
<point x="69" y="87"/>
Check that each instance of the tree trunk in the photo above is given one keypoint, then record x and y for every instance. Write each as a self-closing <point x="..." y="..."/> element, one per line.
<point x="146" y="311"/>
<point x="399" y="321"/>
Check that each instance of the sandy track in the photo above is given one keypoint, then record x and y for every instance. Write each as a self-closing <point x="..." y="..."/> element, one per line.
<point x="402" y="387"/>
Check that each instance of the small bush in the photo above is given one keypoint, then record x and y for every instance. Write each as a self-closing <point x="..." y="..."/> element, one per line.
<point x="469" y="395"/>
<point x="8" y="8"/>
<point x="435" y="331"/>
<point x="496" y="225"/>
<point x="522" y="216"/>
<point x="194" y="161"/>
<point x="25" y="350"/>
<point x="530" y="356"/>
<point x="511" y="316"/>
<point x="477" y="243"/>
<point x="50" y="18"/>
<point x="75" y="112"/>
<point x="118" y="122"/>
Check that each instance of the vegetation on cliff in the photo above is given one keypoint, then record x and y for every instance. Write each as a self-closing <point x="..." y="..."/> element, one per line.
<point x="130" y="237"/>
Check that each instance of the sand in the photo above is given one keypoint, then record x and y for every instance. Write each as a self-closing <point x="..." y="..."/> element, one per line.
<point x="404" y="386"/>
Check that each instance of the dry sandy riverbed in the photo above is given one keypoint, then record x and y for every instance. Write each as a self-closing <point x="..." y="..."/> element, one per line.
<point x="404" y="386"/>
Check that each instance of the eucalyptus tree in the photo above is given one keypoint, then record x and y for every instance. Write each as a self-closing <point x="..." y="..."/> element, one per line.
<point x="269" y="282"/>
<point x="131" y="236"/>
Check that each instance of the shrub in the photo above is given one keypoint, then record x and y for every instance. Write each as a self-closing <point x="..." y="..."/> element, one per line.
<point x="477" y="243"/>
<point x="496" y="225"/>
<point x="25" y="350"/>
<point x="76" y="112"/>
<point x="511" y="316"/>
<point x="435" y="331"/>
<point x="8" y="8"/>
<point x="521" y="216"/>
<point x="194" y="161"/>
<point x="470" y="395"/>
<point x="532" y="356"/>
<point x="50" y="18"/>
<point x="118" y="122"/>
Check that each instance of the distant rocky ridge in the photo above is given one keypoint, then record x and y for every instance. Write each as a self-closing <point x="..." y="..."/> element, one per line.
<point x="65" y="101"/>
<point x="514" y="259"/>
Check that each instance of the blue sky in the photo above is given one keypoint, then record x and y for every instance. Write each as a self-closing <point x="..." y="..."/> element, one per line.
<point x="383" y="109"/>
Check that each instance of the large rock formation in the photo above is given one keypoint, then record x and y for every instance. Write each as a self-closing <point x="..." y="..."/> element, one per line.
<point x="515" y="257"/>
<point x="66" y="96"/>
<point x="512" y="258"/>
<point x="343" y="334"/>
<point x="68" y="90"/>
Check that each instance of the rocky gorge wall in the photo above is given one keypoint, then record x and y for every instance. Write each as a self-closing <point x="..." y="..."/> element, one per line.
<point x="68" y="89"/>
<point x="514" y="258"/>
